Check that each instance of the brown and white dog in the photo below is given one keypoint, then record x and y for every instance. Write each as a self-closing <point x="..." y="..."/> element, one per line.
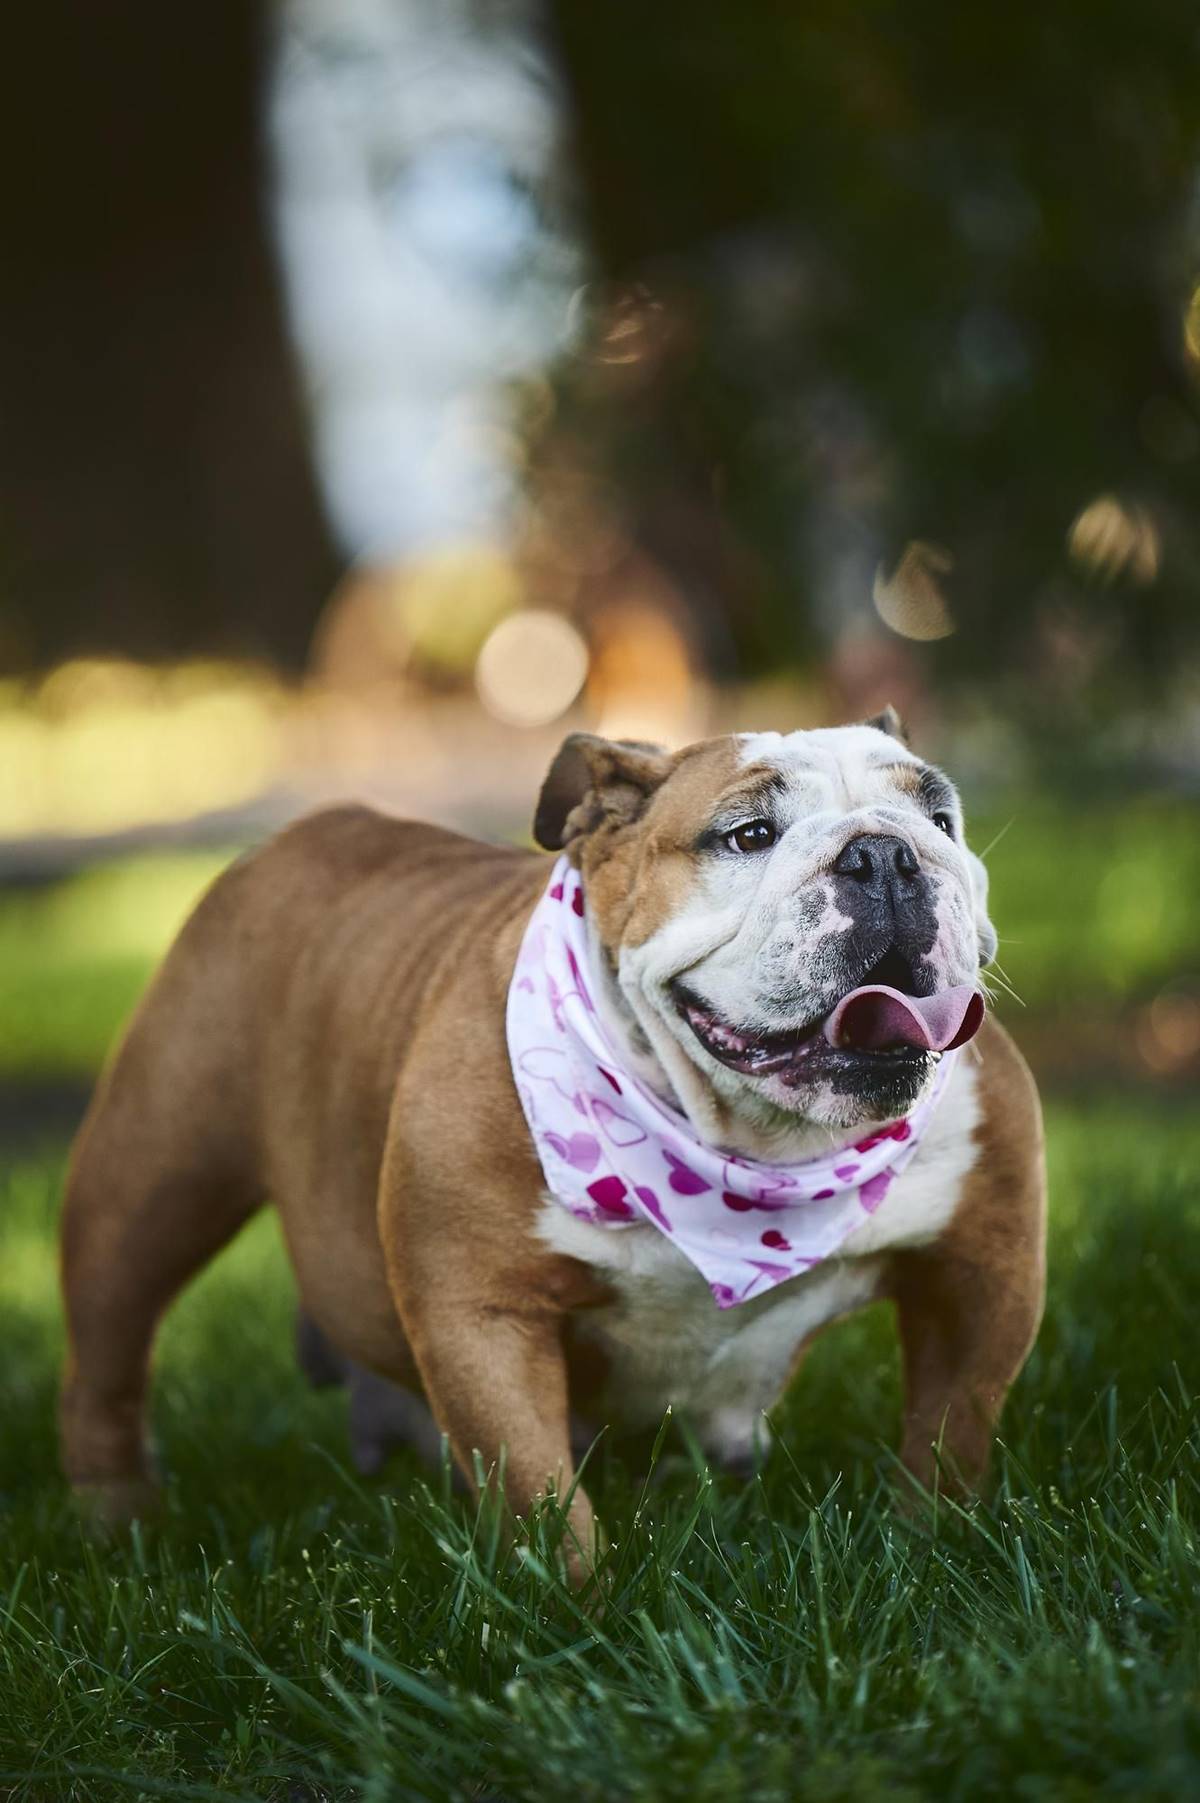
<point x="329" y="1032"/>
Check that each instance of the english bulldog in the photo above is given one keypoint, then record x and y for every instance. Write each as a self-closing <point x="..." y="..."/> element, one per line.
<point x="588" y="1136"/>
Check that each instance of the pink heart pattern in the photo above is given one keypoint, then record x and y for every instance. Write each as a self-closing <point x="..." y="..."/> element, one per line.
<point x="872" y="1192"/>
<point x="609" y="1193"/>
<point x="616" y="1126"/>
<point x="653" y="1206"/>
<point x="612" y="1165"/>
<point x="581" y="1150"/>
<point x="741" y="1205"/>
<point x="683" y="1179"/>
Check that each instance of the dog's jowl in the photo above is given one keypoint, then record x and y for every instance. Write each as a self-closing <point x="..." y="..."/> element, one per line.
<point x="575" y="1138"/>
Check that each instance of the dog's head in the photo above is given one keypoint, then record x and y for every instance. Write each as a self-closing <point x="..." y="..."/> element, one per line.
<point x="739" y="891"/>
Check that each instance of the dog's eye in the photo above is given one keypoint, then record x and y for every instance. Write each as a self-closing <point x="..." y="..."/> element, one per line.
<point x="944" y="823"/>
<point x="752" y="835"/>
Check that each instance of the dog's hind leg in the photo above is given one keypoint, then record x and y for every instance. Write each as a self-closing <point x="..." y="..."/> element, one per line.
<point x="157" y="1186"/>
<point x="382" y="1416"/>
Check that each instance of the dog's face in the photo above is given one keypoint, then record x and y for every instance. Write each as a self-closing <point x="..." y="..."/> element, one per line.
<point x="738" y="890"/>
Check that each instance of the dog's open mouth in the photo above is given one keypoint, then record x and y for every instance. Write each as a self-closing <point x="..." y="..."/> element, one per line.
<point x="876" y="1020"/>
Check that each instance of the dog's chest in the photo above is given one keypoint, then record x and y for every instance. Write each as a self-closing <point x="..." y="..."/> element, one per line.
<point x="664" y="1341"/>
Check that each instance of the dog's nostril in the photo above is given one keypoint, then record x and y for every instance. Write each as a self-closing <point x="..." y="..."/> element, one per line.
<point x="856" y="861"/>
<point x="906" y="859"/>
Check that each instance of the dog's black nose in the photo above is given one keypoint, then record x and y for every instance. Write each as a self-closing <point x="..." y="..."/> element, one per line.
<point x="876" y="859"/>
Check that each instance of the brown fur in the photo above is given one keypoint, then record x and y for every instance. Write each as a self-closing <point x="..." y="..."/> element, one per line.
<point x="969" y="1306"/>
<point x="309" y="1039"/>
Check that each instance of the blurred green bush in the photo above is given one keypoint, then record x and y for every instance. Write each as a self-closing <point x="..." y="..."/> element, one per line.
<point x="1098" y="904"/>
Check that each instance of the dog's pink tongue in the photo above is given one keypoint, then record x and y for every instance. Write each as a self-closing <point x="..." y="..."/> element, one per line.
<point x="875" y="1016"/>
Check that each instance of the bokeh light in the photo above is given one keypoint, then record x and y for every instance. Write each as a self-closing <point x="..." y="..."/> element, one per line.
<point x="449" y="601"/>
<point x="531" y="668"/>
<point x="1112" y="538"/>
<point x="644" y="682"/>
<point x="1191" y="328"/>
<point x="104" y="744"/>
<point x="911" y="600"/>
<point x="1168" y="1031"/>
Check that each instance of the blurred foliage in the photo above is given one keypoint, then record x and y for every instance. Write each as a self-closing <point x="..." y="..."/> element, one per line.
<point x="896" y="301"/>
<point x="889" y="273"/>
<point x="1095" y="907"/>
<point x="1097" y="904"/>
<point x="75" y="958"/>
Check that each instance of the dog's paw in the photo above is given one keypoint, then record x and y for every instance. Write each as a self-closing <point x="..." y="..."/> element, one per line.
<point x="931" y="1475"/>
<point x="738" y="1440"/>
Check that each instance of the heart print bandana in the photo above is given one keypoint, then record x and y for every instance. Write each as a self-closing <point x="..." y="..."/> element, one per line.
<point x="616" y="1155"/>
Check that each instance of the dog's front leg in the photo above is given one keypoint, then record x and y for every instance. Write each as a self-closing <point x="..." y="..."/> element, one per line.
<point x="968" y="1316"/>
<point x="487" y="1335"/>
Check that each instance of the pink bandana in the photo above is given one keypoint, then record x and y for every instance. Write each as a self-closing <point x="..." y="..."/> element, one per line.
<point x="615" y="1155"/>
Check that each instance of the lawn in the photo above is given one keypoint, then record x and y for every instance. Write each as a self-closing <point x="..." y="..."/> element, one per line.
<point x="289" y="1632"/>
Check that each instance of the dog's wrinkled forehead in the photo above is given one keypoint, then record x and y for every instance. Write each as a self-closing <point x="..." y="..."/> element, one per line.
<point x="834" y="769"/>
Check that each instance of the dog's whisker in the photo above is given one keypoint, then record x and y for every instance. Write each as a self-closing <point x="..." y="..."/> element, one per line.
<point x="1001" y="983"/>
<point x="1001" y="976"/>
<point x="992" y="844"/>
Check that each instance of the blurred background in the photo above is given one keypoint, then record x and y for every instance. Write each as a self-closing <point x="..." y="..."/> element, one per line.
<point x="388" y="387"/>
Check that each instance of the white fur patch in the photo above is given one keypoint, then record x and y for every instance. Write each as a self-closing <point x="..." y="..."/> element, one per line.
<point x="846" y="755"/>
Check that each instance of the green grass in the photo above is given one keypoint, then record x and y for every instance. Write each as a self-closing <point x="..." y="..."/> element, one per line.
<point x="288" y="1632"/>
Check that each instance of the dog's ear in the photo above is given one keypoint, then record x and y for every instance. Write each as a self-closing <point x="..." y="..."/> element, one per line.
<point x="595" y="782"/>
<point x="890" y="722"/>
